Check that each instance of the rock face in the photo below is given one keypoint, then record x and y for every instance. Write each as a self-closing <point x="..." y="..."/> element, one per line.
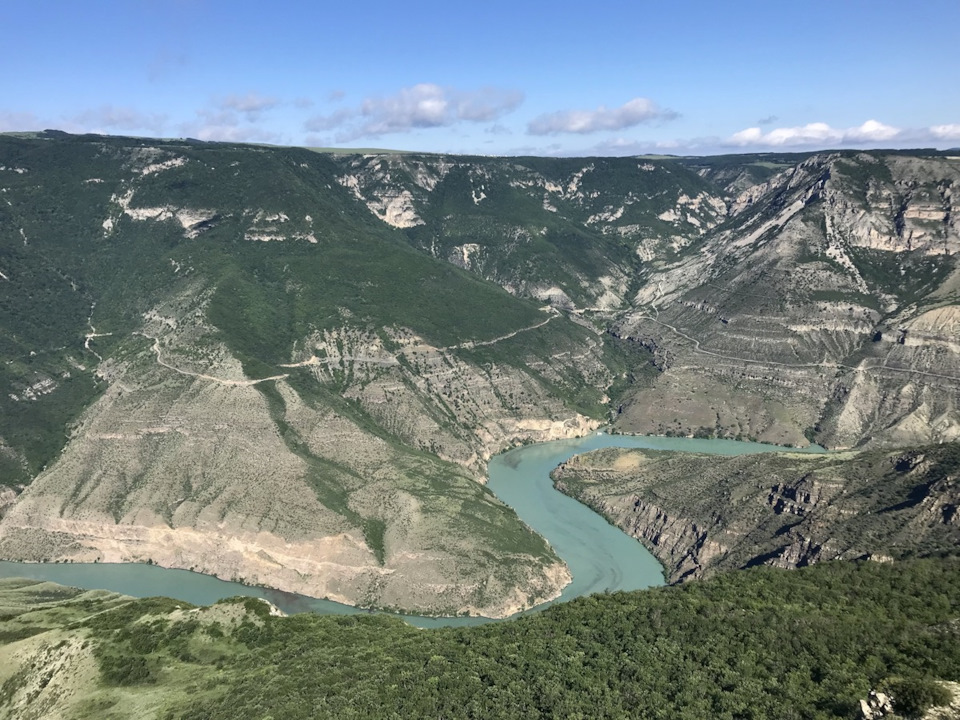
<point x="877" y="705"/>
<point x="568" y="232"/>
<point x="825" y="308"/>
<point x="699" y="514"/>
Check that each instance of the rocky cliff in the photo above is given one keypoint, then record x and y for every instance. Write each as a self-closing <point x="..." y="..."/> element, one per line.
<point x="700" y="514"/>
<point x="824" y="308"/>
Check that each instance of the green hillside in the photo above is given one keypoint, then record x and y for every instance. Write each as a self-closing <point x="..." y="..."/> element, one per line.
<point x="756" y="644"/>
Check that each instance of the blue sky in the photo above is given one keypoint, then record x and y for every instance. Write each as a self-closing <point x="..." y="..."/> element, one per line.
<point x="499" y="78"/>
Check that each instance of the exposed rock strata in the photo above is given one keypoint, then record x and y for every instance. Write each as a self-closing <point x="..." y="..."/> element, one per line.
<point x="180" y="463"/>
<point x="699" y="514"/>
<point x="786" y="298"/>
<point x="789" y="320"/>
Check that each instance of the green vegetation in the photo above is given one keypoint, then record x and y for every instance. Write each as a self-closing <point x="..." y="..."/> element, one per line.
<point x="738" y="172"/>
<point x="30" y="607"/>
<point x="909" y="276"/>
<point x="268" y="286"/>
<point x="914" y="696"/>
<point x="536" y="223"/>
<point x="752" y="644"/>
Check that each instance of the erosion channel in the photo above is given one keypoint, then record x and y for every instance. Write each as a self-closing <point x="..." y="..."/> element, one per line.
<point x="599" y="555"/>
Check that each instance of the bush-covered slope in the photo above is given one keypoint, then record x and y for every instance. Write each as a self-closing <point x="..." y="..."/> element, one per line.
<point x="755" y="644"/>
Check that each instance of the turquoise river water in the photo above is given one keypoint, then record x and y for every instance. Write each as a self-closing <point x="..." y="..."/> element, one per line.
<point x="600" y="556"/>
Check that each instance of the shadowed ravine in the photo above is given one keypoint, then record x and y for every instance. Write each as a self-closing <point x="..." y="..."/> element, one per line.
<point x="599" y="555"/>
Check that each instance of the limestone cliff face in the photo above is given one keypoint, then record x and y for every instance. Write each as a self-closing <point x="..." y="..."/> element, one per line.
<point x="700" y="514"/>
<point x="906" y="389"/>
<point x="583" y="226"/>
<point x="824" y="309"/>
<point x="686" y="548"/>
<point x="905" y="204"/>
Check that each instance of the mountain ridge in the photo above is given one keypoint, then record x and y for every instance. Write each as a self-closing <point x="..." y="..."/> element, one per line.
<point x="376" y="327"/>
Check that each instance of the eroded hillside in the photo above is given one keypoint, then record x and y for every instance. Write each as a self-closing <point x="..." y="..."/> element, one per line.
<point x="291" y="367"/>
<point x="298" y="403"/>
<point x="825" y="308"/>
<point x="701" y="514"/>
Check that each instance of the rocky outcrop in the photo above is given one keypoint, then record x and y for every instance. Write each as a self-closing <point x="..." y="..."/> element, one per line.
<point x="683" y="546"/>
<point x="876" y="705"/>
<point x="464" y="210"/>
<point x="816" y="309"/>
<point x="700" y="514"/>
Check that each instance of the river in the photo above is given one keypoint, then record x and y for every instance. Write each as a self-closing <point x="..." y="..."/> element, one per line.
<point x="599" y="555"/>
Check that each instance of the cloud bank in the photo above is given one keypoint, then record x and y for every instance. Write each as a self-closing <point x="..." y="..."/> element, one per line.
<point x="425" y="105"/>
<point x="630" y="114"/>
<point x="251" y="104"/>
<point x="946" y="132"/>
<point x="233" y="118"/>
<point x="819" y="133"/>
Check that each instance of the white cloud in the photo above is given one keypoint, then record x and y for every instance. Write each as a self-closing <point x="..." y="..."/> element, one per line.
<point x="630" y="114"/>
<point x="818" y="134"/>
<point x="230" y="133"/>
<point x="486" y="104"/>
<point x="252" y="104"/>
<point x="872" y="131"/>
<point x="946" y="132"/>
<point x="425" y="105"/>
<point x="420" y="106"/>
<point x="320" y="123"/>
<point x="225" y="125"/>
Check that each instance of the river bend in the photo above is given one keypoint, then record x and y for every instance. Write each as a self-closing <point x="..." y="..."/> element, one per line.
<point x="599" y="555"/>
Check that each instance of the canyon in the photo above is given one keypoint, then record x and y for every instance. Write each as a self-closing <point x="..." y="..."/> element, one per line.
<point x="292" y="367"/>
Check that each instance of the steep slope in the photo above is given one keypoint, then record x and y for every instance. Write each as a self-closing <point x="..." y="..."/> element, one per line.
<point x="825" y="307"/>
<point x="572" y="232"/>
<point x="701" y="514"/>
<point x="263" y="381"/>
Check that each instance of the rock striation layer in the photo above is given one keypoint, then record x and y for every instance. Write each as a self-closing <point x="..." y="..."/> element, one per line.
<point x="700" y="514"/>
